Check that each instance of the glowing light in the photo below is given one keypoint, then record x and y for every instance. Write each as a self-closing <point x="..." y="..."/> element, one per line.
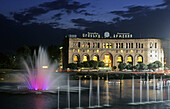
<point x="121" y="51"/>
<point x="78" y="50"/>
<point x="97" y="51"/>
<point x="129" y="59"/>
<point x="107" y="60"/>
<point x="140" y="59"/>
<point x="131" y="51"/>
<point x="61" y="48"/>
<point x="75" y="59"/>
<point x="119" y="59"/>
<point x="45" y="67"/>
<point x="95" y="58"/>
<point x="85" y="58"/>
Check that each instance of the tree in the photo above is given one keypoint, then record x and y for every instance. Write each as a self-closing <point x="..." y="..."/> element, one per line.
<point x="101" y="64"/>
<point x="80" y="64"/>
<point x="143" y="66"/>
<point x="93" y="64"/>
<point x="158" y="64"/>
<point x="122" y="66"/>
<point x="23" y="52"/>
<point x="72" y="66"/>
<point x="129" y="67"/>
<point x="150" y="66"/>
<point x="86" y="64"/>
<point x="54" y="53"/>
<point x="114" y="67"/>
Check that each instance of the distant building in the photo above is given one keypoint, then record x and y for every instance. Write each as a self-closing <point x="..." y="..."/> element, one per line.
<point x="112" y="51"/>
<point x="166" y="46"/>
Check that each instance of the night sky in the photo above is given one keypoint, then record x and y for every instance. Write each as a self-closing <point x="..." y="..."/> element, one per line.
<point x="46" y="22"/>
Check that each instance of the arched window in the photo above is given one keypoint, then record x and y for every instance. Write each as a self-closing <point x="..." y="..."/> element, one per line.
<point x="140" y="59"/>
<point x="129" y="59"/>
<point x="85" y="58"/>
<point x="75" y="59"/>
<point x="95" y="58"/>
<point x="107" y="60"/>
<point x="119" y="59"/>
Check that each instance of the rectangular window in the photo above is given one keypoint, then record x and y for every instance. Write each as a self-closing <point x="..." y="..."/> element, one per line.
<point x="116" y="45"/>
<point x="98" y="45"/>
<point x="79" y="44"/>
<point x="110" y="45"/>
<point x="136" y="45"/>
<point x="131" y="45"/>
<point x="107" y="45"/>
<point x="155" y="45"/>
<point x="126" y="45"/>
<point x="104" y="46"/>
<point x="142" y="46"/>
<point x="121" y="45"/>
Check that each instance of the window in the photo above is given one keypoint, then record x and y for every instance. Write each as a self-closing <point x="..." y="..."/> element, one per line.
<point x="121" y="45"/>
<point x="110" y="45"/>
<point x="126" y="45"/>
<point x="97" y="51"/>
<point x="107" y="45"/>
<point x="87" y="51"/>
<point x="75" y="59"/>
<point x="142" y="46"/>
<point x="140" y="59"/>
<point x="79" y="44"/>
<point x="139" y="45"/>
<point x="85" y="58"/>
<point x="131" y="45"/>
<point x="151" y="44"/>
<point x="73" y="50"/>
<point x="155" y="45"/>
<point x="104" y="46"/>
<point x="98" y="45"/>
<point x="88" y="46"/>
<point x="119" y="59"/>
<point x="78" y="50"/>
<point x="136" y="45"/>
<point x="95" y="58"/>
<point x="129" y="59"/>
<point x="116" y="45"/>
<point x="121" y="51"/>
<point x="131" y="51"/>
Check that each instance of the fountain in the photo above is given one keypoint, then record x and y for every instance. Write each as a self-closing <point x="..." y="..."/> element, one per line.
<point x="40" y="72"/>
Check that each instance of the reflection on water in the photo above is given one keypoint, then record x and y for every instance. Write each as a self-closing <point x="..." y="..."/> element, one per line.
<point x="119" y="94"/>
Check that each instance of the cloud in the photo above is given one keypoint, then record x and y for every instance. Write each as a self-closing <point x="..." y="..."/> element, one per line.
<point x="97" y="26"/>
<point x="57" y="16"/>
<point x="67" y="5"/>
<point x="133" y="11"/>
<point x="166" y="3"/>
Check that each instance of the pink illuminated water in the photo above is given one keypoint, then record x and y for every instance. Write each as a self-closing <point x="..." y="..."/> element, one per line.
<point x="40" y="72"/>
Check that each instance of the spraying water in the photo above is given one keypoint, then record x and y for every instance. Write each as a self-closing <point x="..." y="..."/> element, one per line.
<point x="39" y="72"/>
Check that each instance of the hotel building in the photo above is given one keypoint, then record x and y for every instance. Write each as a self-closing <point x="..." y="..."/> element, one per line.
<point x="112" y="51"/>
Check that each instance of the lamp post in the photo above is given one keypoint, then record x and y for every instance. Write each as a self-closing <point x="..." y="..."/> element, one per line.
<point x="61" y="60"/>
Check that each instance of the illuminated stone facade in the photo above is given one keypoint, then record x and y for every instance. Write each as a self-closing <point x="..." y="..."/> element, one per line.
<point x="112" y="51"/>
